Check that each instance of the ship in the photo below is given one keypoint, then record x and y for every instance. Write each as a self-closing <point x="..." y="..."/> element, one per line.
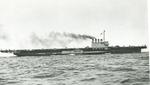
<point x="98" y="46"/>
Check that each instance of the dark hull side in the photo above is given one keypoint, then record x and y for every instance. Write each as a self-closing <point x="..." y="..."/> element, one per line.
<point x="44" y="54"/>
<point x="125" y="50"/>
<point x="78" y="51"/>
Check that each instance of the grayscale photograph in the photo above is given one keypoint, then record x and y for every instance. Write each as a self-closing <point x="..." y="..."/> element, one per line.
<point x="74" y="42"/>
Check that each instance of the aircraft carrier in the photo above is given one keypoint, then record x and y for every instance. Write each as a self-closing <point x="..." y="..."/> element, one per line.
<point x="98" y="46"/>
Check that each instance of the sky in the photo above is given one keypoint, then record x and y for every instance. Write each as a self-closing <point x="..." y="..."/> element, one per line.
<point x="28" y="23"/>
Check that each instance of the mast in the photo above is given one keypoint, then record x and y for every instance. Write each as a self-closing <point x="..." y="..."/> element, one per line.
<point x="104" y="35"/>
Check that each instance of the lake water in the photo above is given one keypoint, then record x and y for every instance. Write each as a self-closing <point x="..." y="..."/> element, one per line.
<point x="107" y="69"/>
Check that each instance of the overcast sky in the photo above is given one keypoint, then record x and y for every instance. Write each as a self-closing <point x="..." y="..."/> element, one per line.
<point x="125" y="21"/>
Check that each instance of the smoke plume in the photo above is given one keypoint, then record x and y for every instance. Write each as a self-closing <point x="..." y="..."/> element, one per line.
<point x="56" y="39"/>
<point x="78" y="36"/>
<point x="35" y="40"/>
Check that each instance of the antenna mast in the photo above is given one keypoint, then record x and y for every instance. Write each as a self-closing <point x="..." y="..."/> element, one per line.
<point x="104" y="35"/>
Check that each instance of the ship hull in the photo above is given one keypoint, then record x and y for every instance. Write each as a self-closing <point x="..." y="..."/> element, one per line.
<point x="115" y="50"/>
<point x="78" y="51"/>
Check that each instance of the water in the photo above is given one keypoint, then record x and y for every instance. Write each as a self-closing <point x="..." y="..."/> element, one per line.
<point x="108" y="69"/>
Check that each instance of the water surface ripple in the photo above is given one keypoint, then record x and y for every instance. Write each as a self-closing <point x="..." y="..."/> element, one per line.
<point x="108" y="69"/>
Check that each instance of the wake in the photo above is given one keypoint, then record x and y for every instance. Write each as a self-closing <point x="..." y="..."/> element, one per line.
<point x="6" y="54"/>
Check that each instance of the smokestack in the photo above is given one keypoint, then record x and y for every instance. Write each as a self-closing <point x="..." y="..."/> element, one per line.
<point x="95" y="40"/>
<point x="98" y="40"/>
<point x="92" y="40"/>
